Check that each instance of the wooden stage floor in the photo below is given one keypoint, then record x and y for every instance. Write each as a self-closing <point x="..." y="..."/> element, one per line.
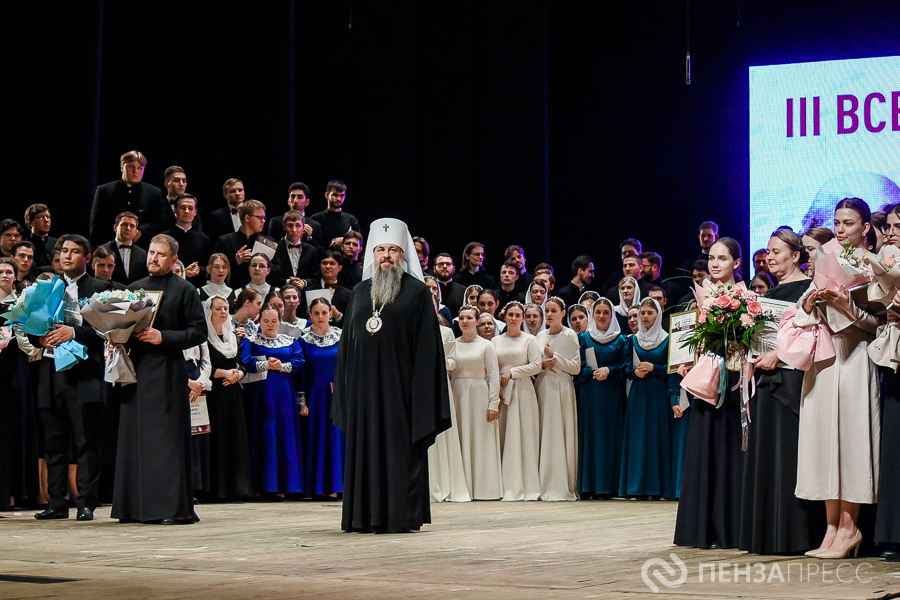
<point x="584" y="549"/>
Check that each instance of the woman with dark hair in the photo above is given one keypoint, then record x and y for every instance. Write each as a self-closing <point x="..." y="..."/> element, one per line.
<point x="578" y="318"/>
<point x="276" y="455"/>
<point x="840" y="411"/>
<point x="556" y="400"/>
<point x="218" y="270"/>
<point x="519" y="359"/>
<point x="812" y="239"/>
<point x="647" y="437"/>
<point x="229" y="448"/>
<point x="260" y="267"/>
<point x="471" y="268"/>
<point x="708" y="516"/>
<point x="324" y="456"/>
<point x="475" y="381"/>
<point x="601" y="403"/>
<point x="246" y="312"/>
<point x="762" y="282"/>
<point x="876" y="233"/>
<point x="291" y="324"/>
<point x="773" y="519"/>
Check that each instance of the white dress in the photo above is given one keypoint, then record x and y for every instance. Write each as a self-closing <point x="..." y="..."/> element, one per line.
<point x="475" y="382"/>
<point x="445" y="465"/>
<point x="559" y="421"/>
<point x="520" y="427"/>
<point x="840" y="413"/>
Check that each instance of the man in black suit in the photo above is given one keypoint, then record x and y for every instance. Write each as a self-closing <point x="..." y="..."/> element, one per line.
<point x="37" y="218"/>
<point x="128" y="194"/>
<point x="295" y="261"/>
<point x="194" y="248"/>
<point x="70" y="402"/>
<point x="103" y="265"/>
<point x="131" y="261"/>
<point x="176" y="183"/>
<point x="351" y="274"/>
<point x="23" y="256"/>
<point x="10" y="235"/>
<point x="651" y="265"/>
<point x="238" y="246"/>
<point x="452" y="293"/>
<point x="298" y="199"/>
<point x="329" y="267"/>
<point x="582" y="276"/>
<point x="225" y="220"/>
<point x="334" y="221"/>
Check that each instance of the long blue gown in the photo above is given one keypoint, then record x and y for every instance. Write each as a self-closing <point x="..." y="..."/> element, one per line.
<point x="601" y="416"/>
<point x="275" y="447"/>
<point x="324" y="456"/>
<point x="647" y="444"/>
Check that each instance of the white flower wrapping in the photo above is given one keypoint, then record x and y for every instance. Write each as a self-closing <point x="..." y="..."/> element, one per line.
<point x="115" y="316"/>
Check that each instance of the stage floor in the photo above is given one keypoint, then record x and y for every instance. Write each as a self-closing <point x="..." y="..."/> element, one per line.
<point x="491" y="550"/>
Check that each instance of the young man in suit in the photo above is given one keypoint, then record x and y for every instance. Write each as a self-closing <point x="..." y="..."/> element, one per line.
<point x="225" y="220"/>
<point x="131" y="194"/>
<point x="194" y="248"/>
<point x="238" y="246"/>
<point x="351" y="273"/>
<point x="298" y="200"/>
<point x="131" y="260"/>
<point x="329" y="268"/>
<point x="37" y="219"/>
<point x="295" y="260"/>
<point x="176" y="184"/>
<point x="70" y="402"/>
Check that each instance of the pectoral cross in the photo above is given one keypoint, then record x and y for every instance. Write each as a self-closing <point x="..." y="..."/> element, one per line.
<point x="386" y="228"/>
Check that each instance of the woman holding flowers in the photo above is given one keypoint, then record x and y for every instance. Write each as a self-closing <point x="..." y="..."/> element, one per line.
<point x="840" y="411"/>
<point x="709" y="513"/>
<point x="773" y="519"/>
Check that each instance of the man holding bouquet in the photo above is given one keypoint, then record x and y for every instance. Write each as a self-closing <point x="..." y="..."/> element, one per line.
<point x="70" y="402"/>
<point x="153" y="462"/>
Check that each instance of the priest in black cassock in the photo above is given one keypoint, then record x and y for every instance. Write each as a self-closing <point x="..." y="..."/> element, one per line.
<point x="390" y="391"/>
<point x="153" y="462"/>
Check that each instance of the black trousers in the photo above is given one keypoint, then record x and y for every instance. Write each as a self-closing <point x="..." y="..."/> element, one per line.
<point x="71" y="425"/>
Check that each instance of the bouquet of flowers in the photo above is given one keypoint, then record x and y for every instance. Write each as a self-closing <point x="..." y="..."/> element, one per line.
<point x="729" y="317"/>
<point x="840" y="267"/>
<point x="115" y="315"/>
<point x="37" y="309"/>
<point x="885" y="272"/>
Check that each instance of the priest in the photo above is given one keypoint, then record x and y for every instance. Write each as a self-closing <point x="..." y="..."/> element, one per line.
<point x="153" y="462"/>
<point x="390" y="393"/>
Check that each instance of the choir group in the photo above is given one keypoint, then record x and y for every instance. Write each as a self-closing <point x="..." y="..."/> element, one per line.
<point x="558" y="391"/>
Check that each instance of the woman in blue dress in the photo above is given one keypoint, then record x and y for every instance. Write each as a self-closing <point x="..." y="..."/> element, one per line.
<point x="275" y="445"/>
<point x="324" y="456"/>
<point x="647" y="446"/>
<point x="601" y="405"/>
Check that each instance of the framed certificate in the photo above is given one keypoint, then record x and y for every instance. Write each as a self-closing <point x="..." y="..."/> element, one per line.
<point x="199" y="416"/>
<point x="157" y="298"/>
<point x="681" y="325"/>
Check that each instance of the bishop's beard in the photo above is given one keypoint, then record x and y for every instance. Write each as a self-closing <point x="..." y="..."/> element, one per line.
<point x="386" y="284"/>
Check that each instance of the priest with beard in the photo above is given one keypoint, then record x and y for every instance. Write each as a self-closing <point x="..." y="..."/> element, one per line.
<point x="390" y="390"/>
<point x="153" y="462"/>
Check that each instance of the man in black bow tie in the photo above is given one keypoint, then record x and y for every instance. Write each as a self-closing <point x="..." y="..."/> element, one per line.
<point x="131" y="261"/>
<point x="225" y="220"/>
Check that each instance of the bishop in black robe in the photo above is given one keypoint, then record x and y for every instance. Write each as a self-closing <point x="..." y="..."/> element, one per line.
<point x="153" y="462"/>
<point x="391" y="401"/>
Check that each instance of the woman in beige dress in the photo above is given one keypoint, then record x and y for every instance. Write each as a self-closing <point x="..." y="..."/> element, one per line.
<point x="840" y="415"/>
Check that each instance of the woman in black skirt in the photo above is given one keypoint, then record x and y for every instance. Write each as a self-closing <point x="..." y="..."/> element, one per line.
<point x="773" y="519"/>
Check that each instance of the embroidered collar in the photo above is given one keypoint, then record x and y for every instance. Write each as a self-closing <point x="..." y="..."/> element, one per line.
<point x="282" y="341"/>
<point x="322" y="341"/>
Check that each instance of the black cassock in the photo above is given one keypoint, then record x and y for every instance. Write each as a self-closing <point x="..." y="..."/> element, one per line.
<point x="153" y="462"/>
<point x="391" y="400"/>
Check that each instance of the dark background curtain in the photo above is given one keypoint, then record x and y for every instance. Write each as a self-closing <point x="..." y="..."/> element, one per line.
<point x="556" y="126"/>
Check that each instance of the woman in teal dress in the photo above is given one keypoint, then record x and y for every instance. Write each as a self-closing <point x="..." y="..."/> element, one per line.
<point x="647" y="445"/>
<point x="601" y="404"/>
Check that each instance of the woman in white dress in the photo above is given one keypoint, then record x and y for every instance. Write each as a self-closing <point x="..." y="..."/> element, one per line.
<point x="217" y="269"/>
<point x="519" y="358"/>
<point x="475" y="383"/>
<point x="840" y="410"/>
<point x="534" y="318"/>
<point x="445" y="465"/>
<point x="556" y="399"/>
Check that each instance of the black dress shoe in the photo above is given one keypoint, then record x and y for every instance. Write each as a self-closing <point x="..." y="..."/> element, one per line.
<point x="891" y="556"/>
<point x="52" y="513"/>
<point x="188" y="521"/>
<point x="715" y="546"/>
<point x="85" y="513"/>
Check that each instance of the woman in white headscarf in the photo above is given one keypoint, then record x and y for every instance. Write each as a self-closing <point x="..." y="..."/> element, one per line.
<point x="228" y="443"/>
<point x="556" y="399"/>
<point x="647" y="443"/>
<point x="629" y="296"/>
<point x="601" y="403"/>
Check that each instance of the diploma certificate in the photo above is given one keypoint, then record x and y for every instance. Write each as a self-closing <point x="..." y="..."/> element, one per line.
<point x="681" y="325"/>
